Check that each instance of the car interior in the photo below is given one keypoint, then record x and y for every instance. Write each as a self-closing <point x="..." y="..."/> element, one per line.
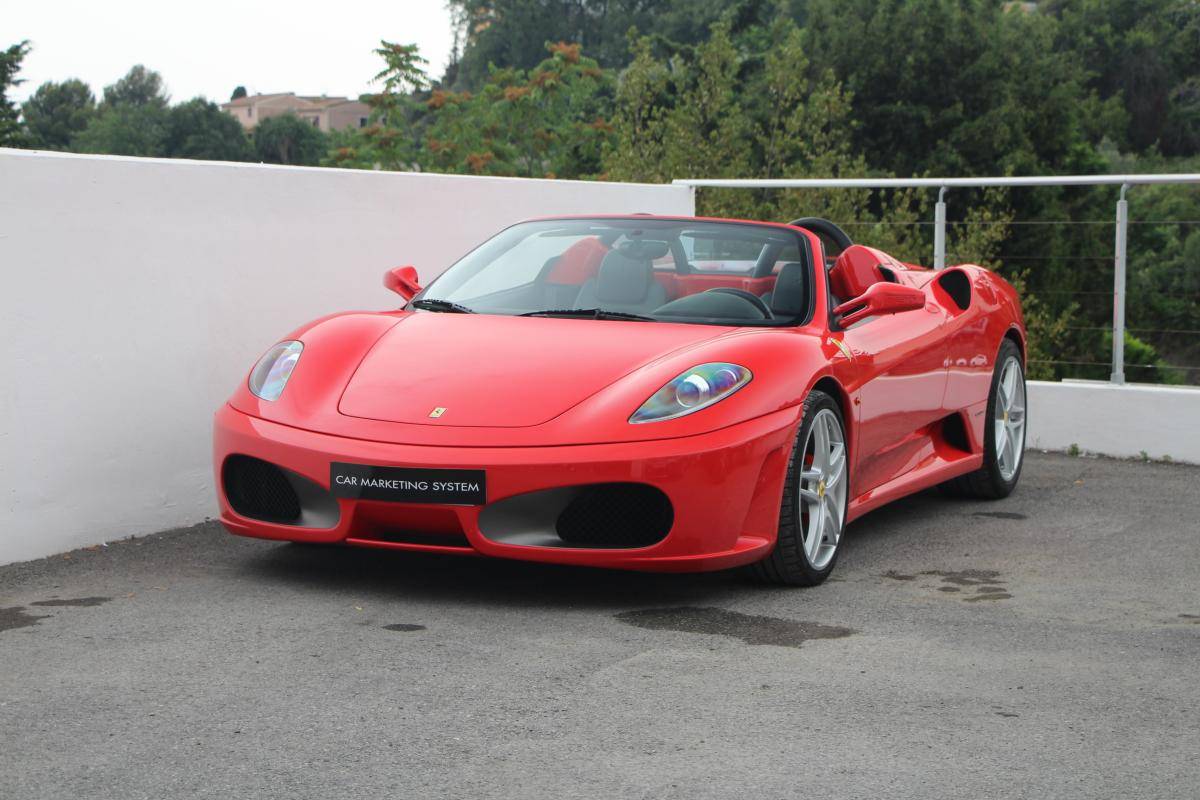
<point x="656" y="277"/>
<point x="663" y="278"/>
<point x="706" y="272"/>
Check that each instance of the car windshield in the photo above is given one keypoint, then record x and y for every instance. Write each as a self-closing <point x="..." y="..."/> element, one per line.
<point x="669" y="270"/>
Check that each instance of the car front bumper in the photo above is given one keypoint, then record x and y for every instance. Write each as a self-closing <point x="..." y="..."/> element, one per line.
<point x="724" y="488"/>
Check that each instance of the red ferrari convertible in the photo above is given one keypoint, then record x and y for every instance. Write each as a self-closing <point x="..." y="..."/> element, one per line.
<point x="640" y="392"/>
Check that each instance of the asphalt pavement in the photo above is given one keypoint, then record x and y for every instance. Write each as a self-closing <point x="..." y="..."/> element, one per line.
<point x="1047" y="645"/>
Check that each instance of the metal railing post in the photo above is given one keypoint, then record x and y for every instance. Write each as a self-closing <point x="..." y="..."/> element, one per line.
<point x="1118" y="335"/>
<point x="939" y="230"/>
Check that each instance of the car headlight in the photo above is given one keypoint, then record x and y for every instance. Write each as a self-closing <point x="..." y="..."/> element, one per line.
<point x="693" y="390"/>
<point x="272" y="371"/>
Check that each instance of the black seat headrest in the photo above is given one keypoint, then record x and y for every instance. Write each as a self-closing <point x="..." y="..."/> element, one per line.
<point x="789" y="298"/>
<point x="623" y="279"/>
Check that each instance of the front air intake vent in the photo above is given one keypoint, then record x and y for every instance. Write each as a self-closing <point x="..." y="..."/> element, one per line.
<point x="616" y="515"/>
<point x="260" y="490"/>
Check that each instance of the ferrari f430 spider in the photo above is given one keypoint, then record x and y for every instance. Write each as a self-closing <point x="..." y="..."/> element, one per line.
<point x="638" y="392"/>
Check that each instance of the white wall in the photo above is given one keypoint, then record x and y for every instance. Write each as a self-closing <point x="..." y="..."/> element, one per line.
<point x="135" y="293"/>
<point x="1126" y="421"/>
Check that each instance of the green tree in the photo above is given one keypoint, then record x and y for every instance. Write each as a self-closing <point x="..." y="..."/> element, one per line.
<point x="287" y="139"/>
<point x="125" y="130"/>
<point x="1144" y="55"/>
<point x="199" y="129"/>
<point x="681" y="117"/>
<point x="11" y="134"/>
<point x="1182" y="133"/>
<point x="57" y="112"/>
<point x="139" y="87"/>
<point x="728" y="111"/>
<point x="951" y="87"/>
<point x="238" y="93"/>
<point x="391" y="139"/>
<point x="132" y="118"/>
<point x="638" y="151"/>
<point x="548" y="122"/>
<point x="511" y="33"/>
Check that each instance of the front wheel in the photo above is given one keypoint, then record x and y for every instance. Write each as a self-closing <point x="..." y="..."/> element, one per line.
<point x="812" y="516"/>
<point x="1004" y="433"/>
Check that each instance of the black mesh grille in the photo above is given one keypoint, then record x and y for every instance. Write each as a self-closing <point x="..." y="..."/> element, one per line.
<point x="616" y="515"/>
<point x="259" y="490"/>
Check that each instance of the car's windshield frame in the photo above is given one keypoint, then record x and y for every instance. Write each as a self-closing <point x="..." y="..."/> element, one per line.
<point x="765" y="234"/>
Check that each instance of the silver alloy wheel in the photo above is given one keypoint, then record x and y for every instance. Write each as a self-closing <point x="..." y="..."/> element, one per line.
<point x="823" y="488"/>
<point x="1010" y="418"/>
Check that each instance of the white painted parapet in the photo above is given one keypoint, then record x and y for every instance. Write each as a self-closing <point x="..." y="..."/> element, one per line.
<point x="1133" y="420"/>
<point x="135" y="293"/>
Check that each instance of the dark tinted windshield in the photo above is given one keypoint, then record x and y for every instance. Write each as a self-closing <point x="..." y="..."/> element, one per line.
<point x="684" y="271"/>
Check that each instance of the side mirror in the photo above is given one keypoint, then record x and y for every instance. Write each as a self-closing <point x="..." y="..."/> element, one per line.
<point x="880" y="299"/>
<point x="402" y="281"/>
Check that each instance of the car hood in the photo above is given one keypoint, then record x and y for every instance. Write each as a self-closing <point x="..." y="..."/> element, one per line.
<point x="502" y="372"/>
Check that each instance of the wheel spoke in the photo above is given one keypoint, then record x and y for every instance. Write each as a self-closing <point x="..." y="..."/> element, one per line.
<point x="1001" y="439"/>
<point x="833" y="480"/>
<point x="816" y="529"/>
<point x="820" y="435"/>
<point x="836" y="473"/>
<point x="1008" y="382"/>
<point x="833" y="516"/>
<point x="809" y="495"/>
<point x="837" y="459"/>
<point x="1016" y="443"/>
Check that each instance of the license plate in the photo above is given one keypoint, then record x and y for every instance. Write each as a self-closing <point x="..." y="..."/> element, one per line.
<point x="454" y="487"/>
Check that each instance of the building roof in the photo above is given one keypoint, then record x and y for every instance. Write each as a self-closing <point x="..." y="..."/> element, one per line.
<point x="325" y="102"/>
<point x="311" y="102"/>
<point x="251" y="99"/>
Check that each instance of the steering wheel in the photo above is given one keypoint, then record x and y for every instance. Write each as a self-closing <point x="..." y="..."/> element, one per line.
<point x="749" y="297"/>
<point x="826" y="230"/>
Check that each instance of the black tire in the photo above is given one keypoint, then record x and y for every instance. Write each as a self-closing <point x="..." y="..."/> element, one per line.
<point x="986" y="483"/>
<point x="788" y="564"/>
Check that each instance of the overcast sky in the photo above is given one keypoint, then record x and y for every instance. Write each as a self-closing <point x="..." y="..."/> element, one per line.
<point x="209" y="48"/>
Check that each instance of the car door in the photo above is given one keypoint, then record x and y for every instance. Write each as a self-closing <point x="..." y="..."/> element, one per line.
<point x="900" y="360"/>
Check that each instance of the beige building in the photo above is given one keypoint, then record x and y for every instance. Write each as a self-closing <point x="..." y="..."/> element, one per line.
<point x="325" y="113"/>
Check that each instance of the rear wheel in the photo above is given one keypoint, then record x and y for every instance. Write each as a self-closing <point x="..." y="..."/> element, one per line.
<point x="812" y="516"/>
<point x="1004" y="434"/>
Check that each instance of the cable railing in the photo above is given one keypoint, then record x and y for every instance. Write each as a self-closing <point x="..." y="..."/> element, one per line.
<point x="1117" y="365"/>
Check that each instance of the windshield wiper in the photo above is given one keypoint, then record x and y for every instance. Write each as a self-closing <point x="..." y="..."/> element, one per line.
<point x="432" y="304"/>
<point x="589" y="313"/>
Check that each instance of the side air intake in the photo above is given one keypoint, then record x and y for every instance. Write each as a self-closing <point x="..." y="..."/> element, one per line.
<point x="261" y="490"/>
<point x="616" y="515"/>
<point x="598" y="515"/>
